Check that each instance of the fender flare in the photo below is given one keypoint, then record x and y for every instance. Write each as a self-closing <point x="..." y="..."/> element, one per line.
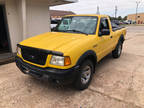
<point x="89" y="53"/>
<point x="122" y="39"/>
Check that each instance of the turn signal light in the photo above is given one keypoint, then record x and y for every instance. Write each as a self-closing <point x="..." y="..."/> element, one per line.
<point x="67" y="61"/>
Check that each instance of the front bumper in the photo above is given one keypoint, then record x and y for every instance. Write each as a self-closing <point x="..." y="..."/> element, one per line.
<point x="50" y="73"/>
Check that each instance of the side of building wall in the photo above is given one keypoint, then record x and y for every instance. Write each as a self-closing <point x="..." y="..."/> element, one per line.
<point x="1" y="1"/>
<point x="140" y="19"/>
<point x="38" y="18"/>
<point x="14" y="23"/>
<point x="25" y="19"/>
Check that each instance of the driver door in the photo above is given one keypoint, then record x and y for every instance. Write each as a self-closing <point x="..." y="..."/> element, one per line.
<point x="105" y="37"/>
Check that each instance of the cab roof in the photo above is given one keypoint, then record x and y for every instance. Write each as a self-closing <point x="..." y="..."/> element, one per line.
<point x="88" y="15"/>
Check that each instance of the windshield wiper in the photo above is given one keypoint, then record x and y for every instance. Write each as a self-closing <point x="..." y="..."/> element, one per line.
<point x="78" y="31"/>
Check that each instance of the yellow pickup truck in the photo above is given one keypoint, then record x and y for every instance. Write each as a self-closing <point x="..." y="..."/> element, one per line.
<point x="70" y="53"/>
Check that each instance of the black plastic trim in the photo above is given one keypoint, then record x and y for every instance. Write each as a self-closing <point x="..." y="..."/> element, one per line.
<point x="122" y="38"/>
<point x="53" y="73"/>
<point x="85" y="55"/>
<point x="42" y="50"/>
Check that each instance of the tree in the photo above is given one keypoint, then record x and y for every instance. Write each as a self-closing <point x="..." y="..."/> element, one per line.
<point x="119" y="18"/>
<point x="125" y="18"/>
<point x="112" y="18"/>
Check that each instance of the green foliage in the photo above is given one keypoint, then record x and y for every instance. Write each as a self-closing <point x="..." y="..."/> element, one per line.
<point x="125" y="18"/>
<point x="119" y="18"/>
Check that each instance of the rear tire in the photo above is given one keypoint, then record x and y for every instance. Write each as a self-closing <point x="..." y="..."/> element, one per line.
<point x="84" y="77"/>
<point x="118" y="50"/>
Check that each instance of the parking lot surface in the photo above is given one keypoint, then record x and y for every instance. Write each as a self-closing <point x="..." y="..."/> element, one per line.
<point x="118" y="83"/>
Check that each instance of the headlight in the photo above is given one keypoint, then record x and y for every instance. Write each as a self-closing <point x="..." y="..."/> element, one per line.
<point x="18" y="50"/>
<point x="60" y="61"/>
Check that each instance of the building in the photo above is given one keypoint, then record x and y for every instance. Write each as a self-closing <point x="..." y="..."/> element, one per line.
<point x="140" y="18"/>
<point x="58" y="14"/>
<point x="21" y="19"/>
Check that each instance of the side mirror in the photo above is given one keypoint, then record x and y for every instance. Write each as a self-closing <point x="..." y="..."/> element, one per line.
<point x="104" y="32"/>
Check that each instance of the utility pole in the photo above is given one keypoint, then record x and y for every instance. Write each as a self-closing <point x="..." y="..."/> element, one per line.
<point x="116" y="9"/>
<point x="137" y="6"/>
<point x="98" y="12"/>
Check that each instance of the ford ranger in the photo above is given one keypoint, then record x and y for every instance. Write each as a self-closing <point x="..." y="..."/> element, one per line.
<point x="71" y="52"/>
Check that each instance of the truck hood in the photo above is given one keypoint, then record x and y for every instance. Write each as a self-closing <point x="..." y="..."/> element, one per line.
<point x="54" y="41"/>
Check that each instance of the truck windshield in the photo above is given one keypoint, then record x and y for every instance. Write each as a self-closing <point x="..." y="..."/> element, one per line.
<point x="78" y="24"/>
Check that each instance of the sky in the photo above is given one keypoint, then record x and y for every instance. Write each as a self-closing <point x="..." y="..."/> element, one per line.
<point x="106" y="7"/>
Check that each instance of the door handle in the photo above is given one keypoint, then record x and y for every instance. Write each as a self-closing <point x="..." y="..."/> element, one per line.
<point x="111" y="37"/>
<point x="95" y="46"/>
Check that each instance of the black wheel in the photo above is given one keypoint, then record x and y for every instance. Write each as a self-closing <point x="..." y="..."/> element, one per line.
<point x="85" y="75"/>
<point x="118" y="50"/>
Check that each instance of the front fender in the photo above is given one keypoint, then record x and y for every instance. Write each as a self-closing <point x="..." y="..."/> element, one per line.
<point x="88" y="54"/>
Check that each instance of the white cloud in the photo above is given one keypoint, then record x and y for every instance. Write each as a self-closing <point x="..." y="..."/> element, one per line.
<point x="106" y="7"/>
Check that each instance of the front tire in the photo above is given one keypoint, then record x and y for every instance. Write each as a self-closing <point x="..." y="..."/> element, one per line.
<point x="118" y="50"/>
<point x="84" y="77"/>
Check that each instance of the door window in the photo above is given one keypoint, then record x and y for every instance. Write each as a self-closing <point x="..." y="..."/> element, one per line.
<point x="104" y="25"/>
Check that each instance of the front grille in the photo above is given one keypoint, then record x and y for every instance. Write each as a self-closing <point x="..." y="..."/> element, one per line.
<point x="34" y="55"/>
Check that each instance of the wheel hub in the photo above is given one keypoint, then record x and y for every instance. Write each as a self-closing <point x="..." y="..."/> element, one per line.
<point x="119" y="49"/>
<point x="86" y="74"/>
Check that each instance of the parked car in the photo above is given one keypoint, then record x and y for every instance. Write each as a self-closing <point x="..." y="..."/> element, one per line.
<point x="116" y="22"/>
<point x="70" y="54"/>
<point x="128" y="22"/>
<point x="121" y="22"/>
<point x="54" y="23"/>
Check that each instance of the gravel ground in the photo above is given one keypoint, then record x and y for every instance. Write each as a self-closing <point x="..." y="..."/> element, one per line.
<point x="118" y="83"/>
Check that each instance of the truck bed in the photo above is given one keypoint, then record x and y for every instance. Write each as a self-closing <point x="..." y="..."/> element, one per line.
<point x="117" y="28"/>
